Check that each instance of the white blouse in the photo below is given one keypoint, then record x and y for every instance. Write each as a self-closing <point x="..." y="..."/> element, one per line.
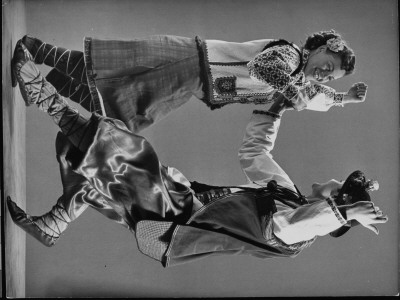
<point x="245" y="73"/>
<point x="290" y="225"/>
<point x="274" y="66"/>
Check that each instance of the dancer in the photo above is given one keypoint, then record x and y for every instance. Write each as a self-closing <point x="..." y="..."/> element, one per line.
<point x="141" y="81"/>
<point x="118" y="173"/>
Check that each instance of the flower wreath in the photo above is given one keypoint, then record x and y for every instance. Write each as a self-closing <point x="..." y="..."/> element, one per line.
<point x="335" y="44"/>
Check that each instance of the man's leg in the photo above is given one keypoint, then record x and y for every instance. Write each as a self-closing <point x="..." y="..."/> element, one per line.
<point x="69" y="62"/>
<point x="48" y="228"/>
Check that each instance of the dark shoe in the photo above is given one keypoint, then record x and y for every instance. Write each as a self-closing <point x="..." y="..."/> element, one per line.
<point x="20" y="52"/>
<point x="33" y="45"/>
<point x="29" y="225"/>
<point x="20" y="58"/>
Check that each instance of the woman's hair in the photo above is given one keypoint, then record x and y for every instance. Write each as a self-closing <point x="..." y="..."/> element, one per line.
<point x="347" y="54"/>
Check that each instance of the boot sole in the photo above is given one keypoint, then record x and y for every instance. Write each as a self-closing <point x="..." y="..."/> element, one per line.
<point x="15" y="78"/>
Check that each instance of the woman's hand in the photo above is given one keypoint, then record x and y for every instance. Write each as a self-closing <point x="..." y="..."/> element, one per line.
<point x="356" y="93"/>
<point x="366" y="213"/>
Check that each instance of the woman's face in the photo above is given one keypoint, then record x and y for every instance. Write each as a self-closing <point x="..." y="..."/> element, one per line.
<point x="323" y="66"/>
<point x="325" y="190"/>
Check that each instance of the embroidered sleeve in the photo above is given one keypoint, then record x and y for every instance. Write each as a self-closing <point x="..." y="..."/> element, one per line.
<point x="273" y="67"/>
<point x="337" y="212"/>
<point x="321" y="98"/>
<point x="267" y="113"/>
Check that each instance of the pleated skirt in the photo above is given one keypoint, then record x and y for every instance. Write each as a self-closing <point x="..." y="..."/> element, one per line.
<point x="140" y="81"/>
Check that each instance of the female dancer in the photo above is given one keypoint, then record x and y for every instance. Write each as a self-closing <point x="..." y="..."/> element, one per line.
<point x="140" y="81"/>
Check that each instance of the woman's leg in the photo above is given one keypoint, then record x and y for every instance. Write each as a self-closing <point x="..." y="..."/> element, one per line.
<point x="69" y="62"/>
<point x="37" y="90"/>
<point x="69" y="87"/>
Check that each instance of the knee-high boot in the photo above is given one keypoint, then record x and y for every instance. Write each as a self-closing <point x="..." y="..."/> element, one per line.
<point x="77" y="195"/>
<point x="48" y="227"/>
<point x="69" y="62"/>
<point x="35" y="89"/>
<point x="71" y="88"/>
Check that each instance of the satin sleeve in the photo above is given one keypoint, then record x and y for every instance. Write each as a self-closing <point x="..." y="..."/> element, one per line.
<point x="78" y="193"/>
<point x="255" y="155"/>
<point x="307" y="221"/>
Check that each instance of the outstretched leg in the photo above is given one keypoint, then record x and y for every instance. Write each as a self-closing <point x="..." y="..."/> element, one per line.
<point x="48" y="228"/>
<point x="77" y="195"/>
<point x="69" y="62"/>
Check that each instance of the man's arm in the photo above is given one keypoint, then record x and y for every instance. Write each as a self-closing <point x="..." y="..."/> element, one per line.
<point x="322" y="217"/>
<point x="259" y="140"/>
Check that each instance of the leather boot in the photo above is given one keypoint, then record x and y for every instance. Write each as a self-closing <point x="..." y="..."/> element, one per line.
<point x="34" y="46"/>
<point x="47" y="228"/>
<point x="69" y="62"/>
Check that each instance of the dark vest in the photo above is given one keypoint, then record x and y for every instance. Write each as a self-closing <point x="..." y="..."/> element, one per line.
<point x="230" y="224"/>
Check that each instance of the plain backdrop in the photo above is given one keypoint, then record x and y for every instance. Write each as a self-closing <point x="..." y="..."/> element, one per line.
<point x="99" y="258"/>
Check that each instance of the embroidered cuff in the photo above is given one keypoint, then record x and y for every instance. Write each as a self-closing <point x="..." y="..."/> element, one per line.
<point x="338" y="99"/>
<point x="291" y="92"/>
<point x="336" y="211"/>
<point x="268" y="113"/>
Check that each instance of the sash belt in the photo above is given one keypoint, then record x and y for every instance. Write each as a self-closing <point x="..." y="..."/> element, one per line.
<point x="282" y="194"/>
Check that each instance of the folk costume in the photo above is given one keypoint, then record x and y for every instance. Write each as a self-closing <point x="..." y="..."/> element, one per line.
<point x="118" y="173"/>
<point x="140" y="81"/>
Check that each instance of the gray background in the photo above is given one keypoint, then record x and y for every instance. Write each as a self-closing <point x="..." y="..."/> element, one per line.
<point x="97" y="257"/>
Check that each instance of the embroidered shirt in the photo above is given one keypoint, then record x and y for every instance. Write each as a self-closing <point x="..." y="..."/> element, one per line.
<point x="274" y="67"/>
<point x="245" y="73"/>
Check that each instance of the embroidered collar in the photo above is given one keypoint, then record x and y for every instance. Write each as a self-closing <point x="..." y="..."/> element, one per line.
<point x="301" y="80"/>
<point x="306" y="55"/>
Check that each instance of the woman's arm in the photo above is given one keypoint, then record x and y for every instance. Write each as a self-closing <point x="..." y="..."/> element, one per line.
<point x="320" y="97"/>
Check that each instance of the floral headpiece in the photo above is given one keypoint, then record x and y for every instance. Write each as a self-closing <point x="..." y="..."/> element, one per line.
<point x="335" y="44"/>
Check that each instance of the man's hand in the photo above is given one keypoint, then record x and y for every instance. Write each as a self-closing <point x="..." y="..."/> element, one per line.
<point x="280" y="105"/>
<point x="366" y="213"/>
